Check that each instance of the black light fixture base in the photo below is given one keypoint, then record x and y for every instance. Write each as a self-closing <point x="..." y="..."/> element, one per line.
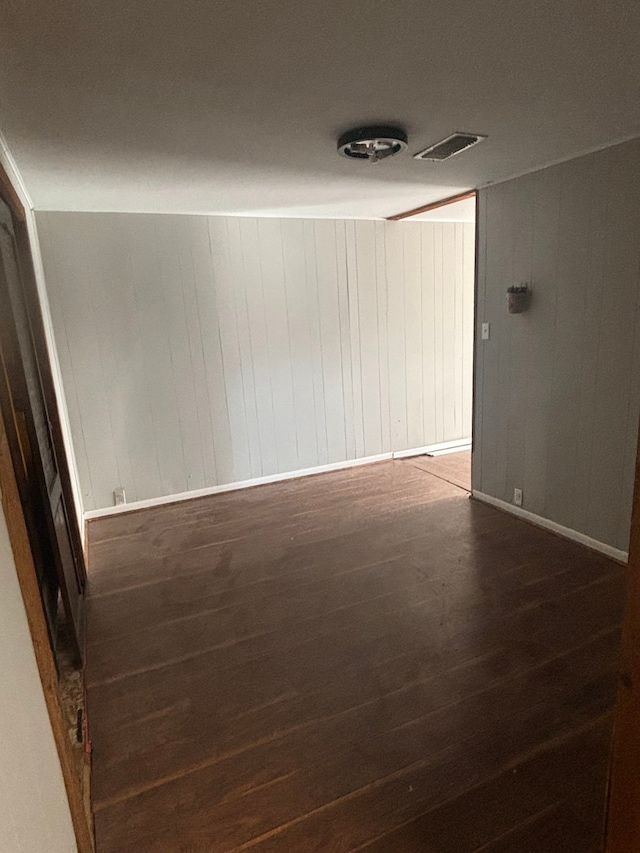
<point x="372" y="144"/>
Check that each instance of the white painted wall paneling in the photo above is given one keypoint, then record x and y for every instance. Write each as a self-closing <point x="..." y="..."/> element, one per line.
<point x="199" y="351"/>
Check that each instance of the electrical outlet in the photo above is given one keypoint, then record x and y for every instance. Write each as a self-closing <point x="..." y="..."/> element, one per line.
<point x="118" y="496"/>
<point x="517" y="497"/>
<point x="485" y="331"/>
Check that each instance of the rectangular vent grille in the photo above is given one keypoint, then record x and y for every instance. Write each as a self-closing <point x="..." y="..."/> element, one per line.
<point x="453" y="144"/>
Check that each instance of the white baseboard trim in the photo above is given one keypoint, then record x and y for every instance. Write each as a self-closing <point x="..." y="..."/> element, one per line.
<point x="432" y="448"/>
<point x="539" y="521"/>
<point x="447" y="450"/>
<point x="232" y="487"/>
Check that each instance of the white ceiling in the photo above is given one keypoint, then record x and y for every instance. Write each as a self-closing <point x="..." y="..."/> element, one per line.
<point x="459" y="211"/>
<point x="234" y="106"/>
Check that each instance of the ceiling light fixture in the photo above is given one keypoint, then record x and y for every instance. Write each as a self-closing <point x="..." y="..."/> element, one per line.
<point x="372" y="144"/>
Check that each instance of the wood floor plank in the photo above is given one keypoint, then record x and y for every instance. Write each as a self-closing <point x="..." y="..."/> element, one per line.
<point x="422" y="631"/>
<point x="512" y="802"/>
<point x="402" y="562"/>
<point x="374" y="591"/>
<point x="548" y="831"/>
<point x="316" y="751"/>
<point x="341" y="662"/>
<point x="455" y="468"/>
<point x="289" y="699"/>
<point x="239" y="513"/>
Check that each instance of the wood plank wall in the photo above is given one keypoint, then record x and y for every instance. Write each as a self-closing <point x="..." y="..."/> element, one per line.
<point x="198" y="351"/>
<point x="558" y="387"/>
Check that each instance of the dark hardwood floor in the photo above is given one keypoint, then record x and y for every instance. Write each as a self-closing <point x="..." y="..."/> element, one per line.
<point x="363" y="660"/>
<point x="455" y="468"/>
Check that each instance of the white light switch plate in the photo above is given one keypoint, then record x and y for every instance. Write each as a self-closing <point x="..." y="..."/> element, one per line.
<point x="485" y="331"/>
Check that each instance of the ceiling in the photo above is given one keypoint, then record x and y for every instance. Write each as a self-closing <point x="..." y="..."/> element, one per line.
<point x="459" y="211"/>
<point x="234" y="106"/>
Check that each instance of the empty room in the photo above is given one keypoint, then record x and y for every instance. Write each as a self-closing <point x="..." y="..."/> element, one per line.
<point x="319" y="413"/>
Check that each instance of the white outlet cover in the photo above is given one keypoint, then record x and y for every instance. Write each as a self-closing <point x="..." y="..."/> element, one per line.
<point x="517" y="497"/>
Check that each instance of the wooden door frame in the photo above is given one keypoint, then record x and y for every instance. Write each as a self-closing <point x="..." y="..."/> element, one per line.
<point x="20" y="544"/>
<point x="34" y="310"/>
<point x="26" y="572"/>
<point x="623" y="806"/>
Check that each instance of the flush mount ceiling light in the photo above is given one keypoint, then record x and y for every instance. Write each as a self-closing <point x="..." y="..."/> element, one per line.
<point x="372" y="143"/>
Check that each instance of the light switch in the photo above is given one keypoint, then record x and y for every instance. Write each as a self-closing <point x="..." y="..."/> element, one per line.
<point x="485" y="331"/>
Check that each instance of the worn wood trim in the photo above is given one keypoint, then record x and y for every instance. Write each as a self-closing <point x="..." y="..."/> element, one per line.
<point x="34" y="309"/>
<point x="623" y="810"/>
<point x="27" y="579"/>
<point x="433" y="206"/>
<point x="10" y="196"/>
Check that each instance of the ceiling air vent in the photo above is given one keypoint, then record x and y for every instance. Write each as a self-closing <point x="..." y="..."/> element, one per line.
<point x="453" y="144"/>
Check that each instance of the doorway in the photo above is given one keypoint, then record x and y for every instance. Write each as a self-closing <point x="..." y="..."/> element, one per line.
<point x="450" y="457"/>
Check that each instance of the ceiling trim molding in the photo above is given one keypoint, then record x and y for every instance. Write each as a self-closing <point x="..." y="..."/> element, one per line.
<point x="560" y="160"/>
<point x="433" y="206"/>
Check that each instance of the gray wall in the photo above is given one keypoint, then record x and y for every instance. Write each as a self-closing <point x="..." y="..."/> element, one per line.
<point x="197" y="351"/>
<point x="558" y="388"/>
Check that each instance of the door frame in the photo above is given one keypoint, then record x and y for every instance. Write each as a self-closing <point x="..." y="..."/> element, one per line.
<point x="26" y="572"/>
<point x="623" y="804"/>
<point x="34" y="310"/>
<point x="19" y="538"/>
<point x="35" y="457"/>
